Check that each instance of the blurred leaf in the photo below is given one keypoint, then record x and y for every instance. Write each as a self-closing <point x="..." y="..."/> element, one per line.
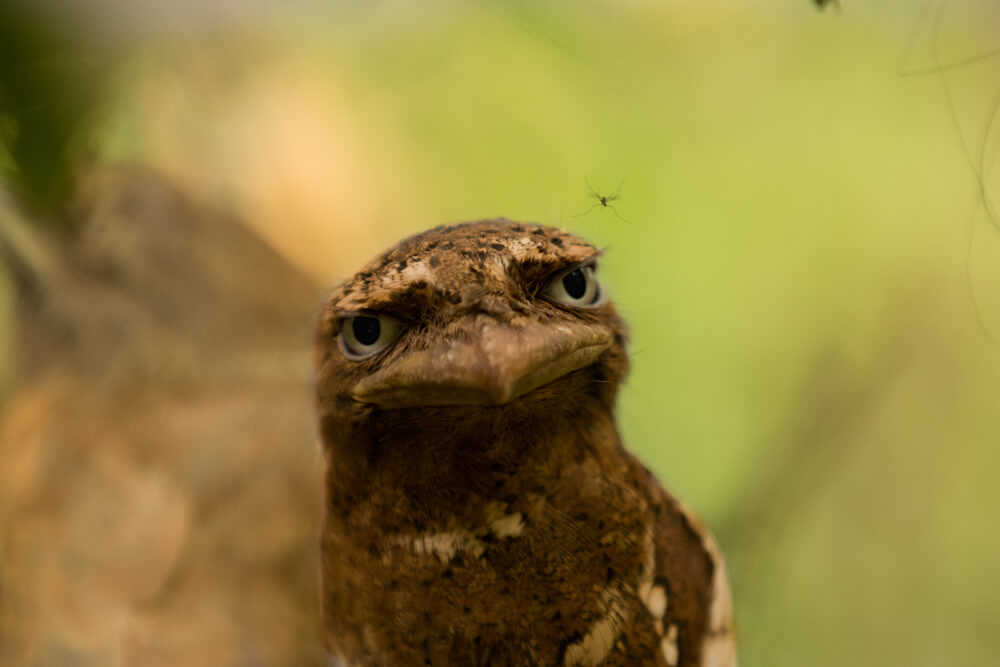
<point x="51" y="79"/>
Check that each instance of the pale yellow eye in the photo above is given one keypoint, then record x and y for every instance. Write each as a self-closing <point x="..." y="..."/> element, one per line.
<point x="577" y="287"/>
<point x="362" y="336"/>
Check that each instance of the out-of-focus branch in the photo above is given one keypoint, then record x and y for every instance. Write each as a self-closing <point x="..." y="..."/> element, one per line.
<point x="28" y="258"/>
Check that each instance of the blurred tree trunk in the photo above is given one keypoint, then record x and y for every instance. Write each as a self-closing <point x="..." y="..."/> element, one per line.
<point x="158" y="471"/>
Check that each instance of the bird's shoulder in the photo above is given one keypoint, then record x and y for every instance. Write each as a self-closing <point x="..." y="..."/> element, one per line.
<point x="684" y="582"/>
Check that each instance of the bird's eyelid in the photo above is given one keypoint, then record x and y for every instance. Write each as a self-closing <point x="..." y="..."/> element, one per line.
<point x="341" y="315"/>
<point x="591" y="260"/>
<point x="570" y="268"/>
<point x="363" y="312"/>
<point x="335" y="317"/>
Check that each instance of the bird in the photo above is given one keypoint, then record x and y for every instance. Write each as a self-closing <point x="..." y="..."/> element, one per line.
<point x="480" y="507"/>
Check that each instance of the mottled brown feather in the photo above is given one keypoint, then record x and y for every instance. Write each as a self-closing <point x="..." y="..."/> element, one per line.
<point x="511" y="534"/>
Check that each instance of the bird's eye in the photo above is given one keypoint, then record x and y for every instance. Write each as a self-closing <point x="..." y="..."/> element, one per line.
<point x="578" y="287"/>
<point x="361" y="336"/>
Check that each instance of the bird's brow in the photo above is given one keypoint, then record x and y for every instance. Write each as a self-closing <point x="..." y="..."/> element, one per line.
<point x="536" y="270"/>
<point x="407" y="301"/>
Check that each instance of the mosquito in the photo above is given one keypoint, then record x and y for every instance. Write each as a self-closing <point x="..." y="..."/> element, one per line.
<point x="603" y="200"/>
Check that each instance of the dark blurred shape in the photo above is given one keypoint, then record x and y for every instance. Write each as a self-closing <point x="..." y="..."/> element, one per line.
<point x="52" y="75"/>
<point x="823" y="4"/>
<point x="158" y="485"/>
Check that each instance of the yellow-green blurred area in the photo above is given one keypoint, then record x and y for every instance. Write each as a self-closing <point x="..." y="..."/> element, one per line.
<point x="801" y="246"/>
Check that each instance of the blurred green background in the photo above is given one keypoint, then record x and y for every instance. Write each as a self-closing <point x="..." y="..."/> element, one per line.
<point x="808" y="268"/>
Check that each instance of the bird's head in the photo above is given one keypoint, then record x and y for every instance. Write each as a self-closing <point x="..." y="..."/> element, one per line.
<point x="490" y="320"/>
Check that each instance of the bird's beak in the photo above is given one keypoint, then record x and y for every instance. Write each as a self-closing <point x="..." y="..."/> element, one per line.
<point x="493" y="365"/>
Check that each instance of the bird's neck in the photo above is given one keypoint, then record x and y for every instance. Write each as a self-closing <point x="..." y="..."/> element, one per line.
<point x="433" y="471"/>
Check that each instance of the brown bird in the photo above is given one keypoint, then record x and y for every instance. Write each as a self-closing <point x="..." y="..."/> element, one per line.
<point x="481" y="509"/>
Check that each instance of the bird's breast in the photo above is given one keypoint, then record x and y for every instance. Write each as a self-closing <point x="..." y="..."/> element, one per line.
<point x="554" y="571"/>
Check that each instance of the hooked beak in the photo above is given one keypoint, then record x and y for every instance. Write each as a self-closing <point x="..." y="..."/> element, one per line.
<point x="497" y="364"/>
